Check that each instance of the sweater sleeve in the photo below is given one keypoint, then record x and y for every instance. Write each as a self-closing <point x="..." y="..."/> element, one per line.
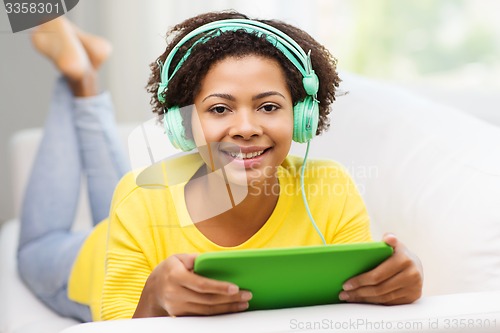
<point x="354" y="222"/>
<point x="127" y="264"/>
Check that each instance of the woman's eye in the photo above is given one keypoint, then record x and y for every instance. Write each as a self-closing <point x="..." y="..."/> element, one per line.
<point x="269" y="107"/>
<point x="218" y="109"/>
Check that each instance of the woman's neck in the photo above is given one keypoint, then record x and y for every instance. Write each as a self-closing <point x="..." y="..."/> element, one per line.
<point x="244" y="215"/>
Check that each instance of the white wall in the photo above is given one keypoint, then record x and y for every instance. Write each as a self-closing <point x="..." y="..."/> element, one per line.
<point x="24" y="96"/>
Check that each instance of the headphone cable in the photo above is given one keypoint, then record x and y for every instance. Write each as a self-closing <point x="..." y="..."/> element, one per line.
<point x="304" y="195"/>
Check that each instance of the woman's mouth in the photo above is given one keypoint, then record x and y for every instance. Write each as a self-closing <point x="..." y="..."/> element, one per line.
<point x="248" y="157"/>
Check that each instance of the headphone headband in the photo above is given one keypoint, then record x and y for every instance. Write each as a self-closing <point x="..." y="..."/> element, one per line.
<point x="279" y="39"/>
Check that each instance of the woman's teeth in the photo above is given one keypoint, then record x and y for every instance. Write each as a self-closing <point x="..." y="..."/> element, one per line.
<point x="243" y="156"/>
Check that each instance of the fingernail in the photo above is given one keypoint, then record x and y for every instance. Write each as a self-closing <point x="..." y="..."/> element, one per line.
<point x="347" y="286"/>
<point x="233" y="289"/>
<point x="343" y="296"/>
<point x="243" y="306"/>
<point x="246" y="296"/>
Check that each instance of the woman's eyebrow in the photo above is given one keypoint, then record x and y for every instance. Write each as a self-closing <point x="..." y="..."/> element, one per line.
<point x="225" y="96"/>
<point x="266" y="94"/>
<point x="232" y="98"/>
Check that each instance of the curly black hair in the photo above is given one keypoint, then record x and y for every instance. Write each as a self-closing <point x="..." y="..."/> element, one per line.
<point x="186" y="83"/>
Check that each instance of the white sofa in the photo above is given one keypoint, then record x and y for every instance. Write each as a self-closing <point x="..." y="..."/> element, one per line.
<point x="428" y="173"/>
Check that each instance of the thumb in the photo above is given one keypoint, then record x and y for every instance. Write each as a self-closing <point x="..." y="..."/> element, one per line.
<point x="187" y="259"/>
<point x="390" y="239"/>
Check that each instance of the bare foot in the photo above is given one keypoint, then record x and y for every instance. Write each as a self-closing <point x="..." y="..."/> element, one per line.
<point x="57" y="40"/>
<point x="98" y="49"/>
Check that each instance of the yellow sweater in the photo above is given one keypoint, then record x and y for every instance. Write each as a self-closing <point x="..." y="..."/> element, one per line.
<point x="147" y="225"/>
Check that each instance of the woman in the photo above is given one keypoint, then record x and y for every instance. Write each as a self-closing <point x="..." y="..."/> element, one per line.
<point x="243" y="95"/>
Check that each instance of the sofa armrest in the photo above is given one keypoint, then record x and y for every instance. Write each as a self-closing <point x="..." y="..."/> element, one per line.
<point x="431" y="314"/>
<point x="20" y="310"/>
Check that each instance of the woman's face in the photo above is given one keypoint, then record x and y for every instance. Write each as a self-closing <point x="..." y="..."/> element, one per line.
<point x="245" y="115"/>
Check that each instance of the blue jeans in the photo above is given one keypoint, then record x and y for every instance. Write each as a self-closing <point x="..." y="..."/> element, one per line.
<point x="79" y="138"/>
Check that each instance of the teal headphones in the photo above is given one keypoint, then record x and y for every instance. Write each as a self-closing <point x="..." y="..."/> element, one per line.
<point x="305" y="112"/>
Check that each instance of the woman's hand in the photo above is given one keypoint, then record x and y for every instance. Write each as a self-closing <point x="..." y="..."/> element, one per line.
<point x="173" y="289"/>
<point x="398" y="280"/>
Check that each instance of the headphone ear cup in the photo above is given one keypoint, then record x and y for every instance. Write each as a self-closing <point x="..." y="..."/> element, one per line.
<point x="172" y="120"/>
<point x="305" y="120"/>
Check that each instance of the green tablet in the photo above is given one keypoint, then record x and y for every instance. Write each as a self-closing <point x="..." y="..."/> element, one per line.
<point x="295" y="276"/>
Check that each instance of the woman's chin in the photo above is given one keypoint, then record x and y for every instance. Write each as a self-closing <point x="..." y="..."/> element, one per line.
<point x="246" y="177"/>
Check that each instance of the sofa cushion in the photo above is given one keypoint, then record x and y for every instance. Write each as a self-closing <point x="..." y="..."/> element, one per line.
<point x="20" y="310"/>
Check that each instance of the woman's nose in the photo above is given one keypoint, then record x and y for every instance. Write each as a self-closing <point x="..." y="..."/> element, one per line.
<point x="246" y="125"/>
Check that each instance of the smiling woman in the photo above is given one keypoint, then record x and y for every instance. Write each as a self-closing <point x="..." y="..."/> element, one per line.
<point x="240" y="90"/>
